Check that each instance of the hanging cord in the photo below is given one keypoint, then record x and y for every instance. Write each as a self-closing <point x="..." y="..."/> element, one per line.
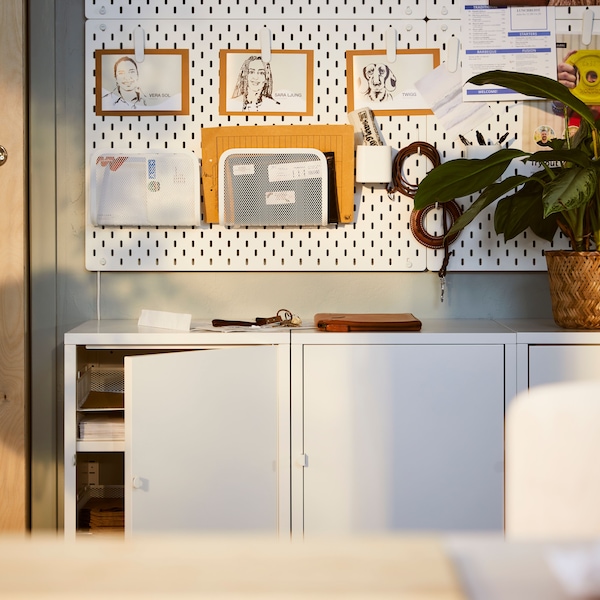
<point x="399" y="183"/>
<point x="442" y="271"/>
<point x="451" y="211"/>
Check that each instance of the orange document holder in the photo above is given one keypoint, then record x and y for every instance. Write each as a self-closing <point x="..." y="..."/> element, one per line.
<point x="338" y="139"/>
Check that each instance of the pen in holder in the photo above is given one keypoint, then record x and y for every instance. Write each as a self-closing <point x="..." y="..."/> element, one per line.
<point x="373" y="164"/>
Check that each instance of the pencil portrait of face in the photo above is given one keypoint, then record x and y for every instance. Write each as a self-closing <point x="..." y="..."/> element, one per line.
<point x="156" y="82"/>
<point x="126" y="94"/>
<point x="255" y="85"/>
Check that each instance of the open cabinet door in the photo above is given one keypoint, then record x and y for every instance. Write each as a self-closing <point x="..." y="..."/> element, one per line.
<point x="202" y="442"/>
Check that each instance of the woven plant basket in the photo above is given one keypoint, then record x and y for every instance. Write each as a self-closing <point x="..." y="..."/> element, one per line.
<point x="574" y="288"/>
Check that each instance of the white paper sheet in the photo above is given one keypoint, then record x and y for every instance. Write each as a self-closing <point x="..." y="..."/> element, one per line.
<point x="165" y="320"/>
<point x="515" y="38"/>
<point x="442" y="90"/>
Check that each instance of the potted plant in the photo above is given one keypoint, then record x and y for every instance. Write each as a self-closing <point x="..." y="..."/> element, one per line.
<point x="564" y="193"/>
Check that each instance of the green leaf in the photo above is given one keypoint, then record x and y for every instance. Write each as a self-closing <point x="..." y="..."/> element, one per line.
<point x="536" y="86"/>
<point x="576" y="157"/>
<point x="489" y="195"/>
<point x="515" y="213"/>
<point x="461" y="177"/>
<point x="556" y="143"/>
<point x="570" y="189"/>
<point x="544" y="228"/>
<point x="582" y="137"/>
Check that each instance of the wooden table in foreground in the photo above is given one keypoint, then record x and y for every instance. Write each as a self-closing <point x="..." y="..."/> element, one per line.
<point x="403" y="568"/>
<point x="399" y="566"/>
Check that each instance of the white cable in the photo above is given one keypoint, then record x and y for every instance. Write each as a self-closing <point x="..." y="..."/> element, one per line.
<point x="98" y="295"/>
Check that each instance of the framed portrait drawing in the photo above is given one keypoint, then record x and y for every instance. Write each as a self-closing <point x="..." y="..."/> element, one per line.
<point x="388" y="88"/>
<point x="282" y="86"/>
<point x="159" y="85"/>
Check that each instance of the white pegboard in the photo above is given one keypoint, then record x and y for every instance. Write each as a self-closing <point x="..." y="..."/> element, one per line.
<point x="380" y="237"/>
<point x="444" y="10"/>
<point x="256" y="9"/>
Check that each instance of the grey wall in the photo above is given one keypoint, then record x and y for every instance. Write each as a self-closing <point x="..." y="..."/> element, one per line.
<point x="65" y="294"/>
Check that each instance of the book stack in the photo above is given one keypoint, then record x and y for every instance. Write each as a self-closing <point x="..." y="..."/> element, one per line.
<point x="102" y="426"/>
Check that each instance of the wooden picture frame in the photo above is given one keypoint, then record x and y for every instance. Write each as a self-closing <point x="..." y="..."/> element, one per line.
<point x="387" y="88"/>
<point x="283" y="86"/>
<point x="159" y="85"/>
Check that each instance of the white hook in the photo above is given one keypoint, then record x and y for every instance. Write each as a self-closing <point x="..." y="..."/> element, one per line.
<point x="139" y="38"/>
<point x="265" y="44"/>
<point x="391" y="37"/>
<point x="587" y="26"/>
<point x="453" y="52"/>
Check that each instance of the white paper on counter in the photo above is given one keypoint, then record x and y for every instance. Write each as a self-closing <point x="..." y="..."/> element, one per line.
<point x="165" y="320"/>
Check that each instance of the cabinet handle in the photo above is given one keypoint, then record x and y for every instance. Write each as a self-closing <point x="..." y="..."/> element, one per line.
<point x="302" y="460"/>
<point x="137" y="482"/>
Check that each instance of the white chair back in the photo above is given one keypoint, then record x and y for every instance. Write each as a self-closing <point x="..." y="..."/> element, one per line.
<point x="553" y="462"/>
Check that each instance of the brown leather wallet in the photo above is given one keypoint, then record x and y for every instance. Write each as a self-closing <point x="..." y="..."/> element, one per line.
<point x="367" y="322"/>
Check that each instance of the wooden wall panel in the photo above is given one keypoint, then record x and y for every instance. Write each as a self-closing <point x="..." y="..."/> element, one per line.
<point x="13" y="270"/>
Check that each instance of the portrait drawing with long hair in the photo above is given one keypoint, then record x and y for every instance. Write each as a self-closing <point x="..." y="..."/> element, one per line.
<point x="252" y="85"/>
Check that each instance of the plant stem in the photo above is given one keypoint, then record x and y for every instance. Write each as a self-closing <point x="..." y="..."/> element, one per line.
<point x="574" y="219"/>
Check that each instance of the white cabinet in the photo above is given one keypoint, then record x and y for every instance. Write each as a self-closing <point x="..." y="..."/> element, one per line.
<point x="201" y="425"/>
<point x="400" y="430"/>
<point x="548" y="354"/>
<point x="284" y="430"/>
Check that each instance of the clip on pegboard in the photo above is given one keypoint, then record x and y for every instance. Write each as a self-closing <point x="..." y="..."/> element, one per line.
<point x="265" y="44"/>
<point x="391" y="37"/>
<point x="452" y="54"/>
<point x="139" y="37"/>
<point x="587" y="25"/>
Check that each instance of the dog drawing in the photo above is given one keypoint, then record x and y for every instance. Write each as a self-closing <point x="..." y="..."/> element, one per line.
<point x="380" y="81"/>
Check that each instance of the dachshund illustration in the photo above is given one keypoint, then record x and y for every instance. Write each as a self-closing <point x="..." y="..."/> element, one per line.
<point x="380" y="82"/>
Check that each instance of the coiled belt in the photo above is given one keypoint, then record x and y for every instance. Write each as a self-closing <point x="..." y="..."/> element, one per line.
<point x="451" y="211"/>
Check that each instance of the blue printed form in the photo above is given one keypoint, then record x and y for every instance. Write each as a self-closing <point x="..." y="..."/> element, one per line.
<point x="515" y="38"/>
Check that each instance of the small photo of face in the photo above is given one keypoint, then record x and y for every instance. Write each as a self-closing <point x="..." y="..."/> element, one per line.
<point x="543" y="134"/>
